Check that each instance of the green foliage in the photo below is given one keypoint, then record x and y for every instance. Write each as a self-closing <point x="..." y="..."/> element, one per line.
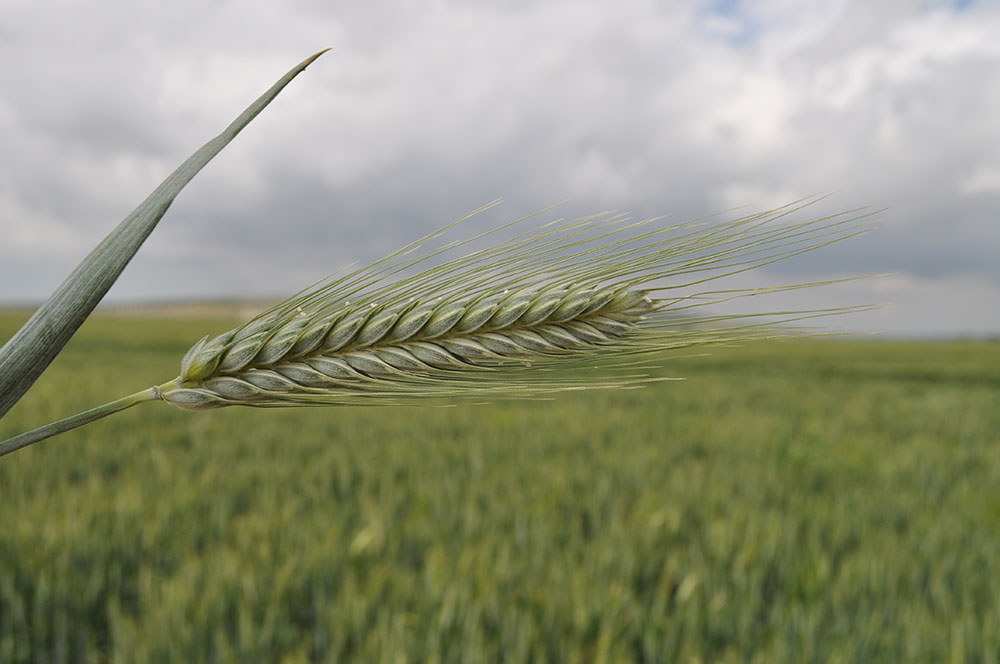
<point x="802" y="501"/>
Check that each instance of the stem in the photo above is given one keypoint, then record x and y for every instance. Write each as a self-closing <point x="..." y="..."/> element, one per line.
<point x="74" y="421"/>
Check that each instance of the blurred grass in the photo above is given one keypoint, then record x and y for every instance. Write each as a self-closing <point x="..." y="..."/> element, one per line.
<point x="811" y="501"/>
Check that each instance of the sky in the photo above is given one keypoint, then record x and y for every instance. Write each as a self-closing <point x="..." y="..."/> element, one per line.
<point x="424" y="111"/>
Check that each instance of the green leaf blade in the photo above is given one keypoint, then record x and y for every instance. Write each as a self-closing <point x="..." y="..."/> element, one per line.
<point x="30" y="351"/>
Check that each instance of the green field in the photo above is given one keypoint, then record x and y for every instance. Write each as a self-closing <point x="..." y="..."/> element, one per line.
<point x="813" y="501"/>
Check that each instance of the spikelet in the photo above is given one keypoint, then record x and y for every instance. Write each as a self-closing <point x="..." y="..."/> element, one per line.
<point x="506" y="321"/>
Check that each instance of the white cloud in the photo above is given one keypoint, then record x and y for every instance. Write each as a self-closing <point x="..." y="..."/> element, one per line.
<point x="984" y="180"/>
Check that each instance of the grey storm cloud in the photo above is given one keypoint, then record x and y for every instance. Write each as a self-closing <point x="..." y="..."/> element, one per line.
<point x="425" y="111"/>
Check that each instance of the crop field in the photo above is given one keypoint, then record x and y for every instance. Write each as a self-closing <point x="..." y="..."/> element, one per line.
<point x="807" y="501"/>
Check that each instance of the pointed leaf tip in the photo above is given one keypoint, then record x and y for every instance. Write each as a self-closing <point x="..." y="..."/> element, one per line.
<point x="27" y="354"/>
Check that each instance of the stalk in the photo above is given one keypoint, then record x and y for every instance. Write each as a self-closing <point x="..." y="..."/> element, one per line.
<point x="74" y="421"/>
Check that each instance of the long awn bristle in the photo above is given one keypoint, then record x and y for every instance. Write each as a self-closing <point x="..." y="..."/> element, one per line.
<point x="501" y="321"/>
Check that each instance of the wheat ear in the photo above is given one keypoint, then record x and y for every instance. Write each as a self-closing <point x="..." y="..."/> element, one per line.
<point x="524" y="316"/>
<point x="384" y="352"/>
<point x="582" y="293"/>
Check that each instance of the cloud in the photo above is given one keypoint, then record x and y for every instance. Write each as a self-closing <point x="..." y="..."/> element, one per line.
<point x="983" y="180"/>
<point x="422" y="113"/>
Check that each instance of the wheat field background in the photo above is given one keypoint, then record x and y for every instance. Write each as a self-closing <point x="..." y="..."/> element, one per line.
<point x="808" y="501"/>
